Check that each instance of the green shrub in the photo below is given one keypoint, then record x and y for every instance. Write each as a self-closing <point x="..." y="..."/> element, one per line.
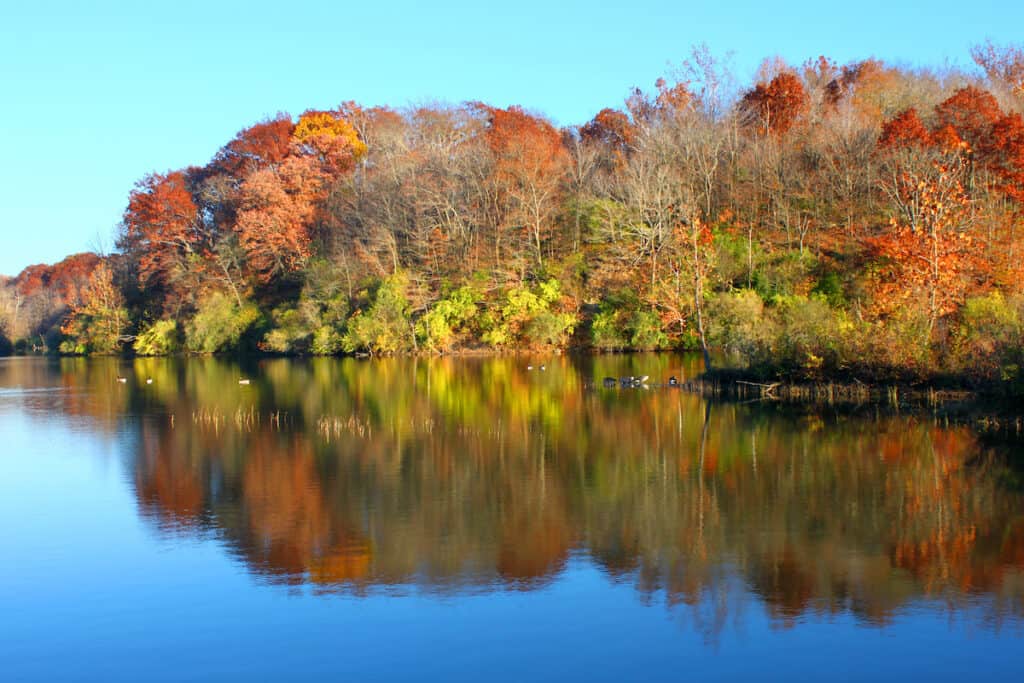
<point x="159" y="339"/>
<point x="782" y="275"/>
<point x="808" y="334"/>
<point x="327" y="341"/>
<point x="735" y="257"/>
<point x="607" y="330"/>
<point x="52" y="339"/>
<point x="624" y="322"/>
<point x="550" y="328"/>
<point x="68" y="347"/>
<point x="385" y="326"/>
<point x="447" y="319"/>
<point x="87" y="334"/>
<point x="314" y="323"/>
<point x="738" y="325"/>
<point x="292" y="331"/>
<point x="220" y="324"/>
<point x="527" y="316"/>
<point x="646" y="333"/>
<point x="988" y="341"/>
<point x="898" y="344"/>
<point x="324" y="296"/>
<point x="830" y="287"/>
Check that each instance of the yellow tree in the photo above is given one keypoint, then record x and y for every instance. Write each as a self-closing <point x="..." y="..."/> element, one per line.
<point x="98" y="319"/>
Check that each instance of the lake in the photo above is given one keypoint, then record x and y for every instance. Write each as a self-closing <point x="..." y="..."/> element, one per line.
<point x="471" y="519"/>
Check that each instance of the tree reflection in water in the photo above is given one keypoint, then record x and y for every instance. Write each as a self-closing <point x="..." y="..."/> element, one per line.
<point x="454" y="475"/>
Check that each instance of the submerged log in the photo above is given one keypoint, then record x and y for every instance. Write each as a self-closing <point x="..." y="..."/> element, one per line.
<point x="767" y="390"/>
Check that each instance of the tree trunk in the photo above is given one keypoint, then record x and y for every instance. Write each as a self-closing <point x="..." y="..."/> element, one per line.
<point x="698" y="293"/>
<point x="698" y="304"/>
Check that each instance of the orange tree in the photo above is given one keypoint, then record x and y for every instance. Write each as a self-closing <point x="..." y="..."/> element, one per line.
<point x="928" y="243"/>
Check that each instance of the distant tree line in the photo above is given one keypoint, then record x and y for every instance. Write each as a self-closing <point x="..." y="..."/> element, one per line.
<point x="829" y="220"/>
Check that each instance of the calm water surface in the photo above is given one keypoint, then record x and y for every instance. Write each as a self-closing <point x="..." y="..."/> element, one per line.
<point x="468" y="519"/>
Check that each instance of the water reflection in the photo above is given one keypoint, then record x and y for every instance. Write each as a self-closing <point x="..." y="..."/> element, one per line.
<point x="474" y="475"/>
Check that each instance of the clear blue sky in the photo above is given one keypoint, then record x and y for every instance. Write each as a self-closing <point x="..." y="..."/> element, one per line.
<point x="97" y="94"/>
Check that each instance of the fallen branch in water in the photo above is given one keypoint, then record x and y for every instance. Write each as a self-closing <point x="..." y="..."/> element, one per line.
<point x="766" y="389"/>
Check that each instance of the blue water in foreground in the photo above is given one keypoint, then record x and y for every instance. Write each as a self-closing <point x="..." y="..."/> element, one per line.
<point x="467" y="519"/>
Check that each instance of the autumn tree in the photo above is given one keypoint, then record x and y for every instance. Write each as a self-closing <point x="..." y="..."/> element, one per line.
<point x="910" y="150"/>
<point x="773" y="108"/>
<point x="11" y="302"/>
<point x="64" y="279"/>
<point x="928" y="240"/>
<point x="365" y="212"/>
<point x="33" y="303"/>
<point x="848" y="168"/>
<point x="651" y="191"/>
<point x="872" y="90"/>
<point x="276" y="208"/>
<point x="676" y="196"/>
<point x="970" y="112"/>
<point x="706" y="125"/>
<point x="1004" y="65"/>
<point x="422" y="198"/>
<point x="259" y="146"/>
<point x="1005" y="157"/>
<point x="653" y="200"/>
<point x="329" y="138"/>
<point x="680" y="297"/>
<point x="278" y="203"/>
<point x="98" y="321"/>
<point x="162" y="231"/>
<point x="530" y="164"/>
<point x="613" y="131"/>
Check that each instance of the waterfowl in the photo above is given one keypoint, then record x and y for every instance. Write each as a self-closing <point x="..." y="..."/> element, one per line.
<point x="672" y="381"/>
<point x="529" y="367"/>
<point x="122" y="380"/>
<point x="610" y="382"/>
<point x="149" y="380"/>
<point x="543" y="368"/>
<point x="243" y="381"/>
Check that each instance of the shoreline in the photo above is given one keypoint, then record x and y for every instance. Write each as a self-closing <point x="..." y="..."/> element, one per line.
<point x="720" y="383"/>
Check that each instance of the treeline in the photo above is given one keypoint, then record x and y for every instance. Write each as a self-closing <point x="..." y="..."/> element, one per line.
<point x="34" y="305"/>
<point x="855" y="220"/>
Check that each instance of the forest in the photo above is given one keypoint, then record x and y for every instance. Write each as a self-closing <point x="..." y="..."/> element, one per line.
<point x="853" y="221"/>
